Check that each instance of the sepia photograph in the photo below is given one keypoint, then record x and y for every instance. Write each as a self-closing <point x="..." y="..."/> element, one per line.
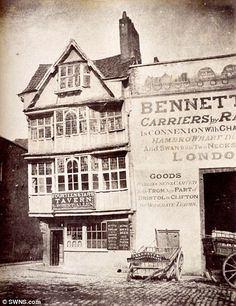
<point x="118" y="152"/>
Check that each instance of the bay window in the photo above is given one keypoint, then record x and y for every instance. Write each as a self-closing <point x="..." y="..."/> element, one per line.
<point x="85" y="119"/>
<point x="91" y="173"/>
<point x="73" y="76"/>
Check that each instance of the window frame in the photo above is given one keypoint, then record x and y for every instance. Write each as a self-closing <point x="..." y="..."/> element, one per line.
<point x="39" y="127"/>
<point x="70" y="73"/>
<point x="94" y="169"/>
<point x="41" y="178"/>
<point x="87" y="229"/>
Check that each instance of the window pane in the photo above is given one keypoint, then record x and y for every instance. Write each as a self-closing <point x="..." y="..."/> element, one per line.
<point x="94" y="163"/>
<point x="70" y="82"/>
<point x="83" y="126"/>
<point x="41" y="185"/>
<point x="114" y="180"/>
<point x="106" y="183"/>
<point x="62" y="83"/>
<point x="59" y="128"/>
<point x="84" y="163"/>
<point x="103" y="125"/>
<point x="48" y="132"/>
<point x="59" y="116"/>
<point x="61" y="183"/>
<point x="40" y="121"/>
<point x="41" y="169"/>
<point x="121" y="161"/>
<point x="95" y="181"/>
<point x="85" y="183"/>
<point x="34" y="185"/>
<point x="48" y="168"/>
<point x="63" y="71"/>
<point x="111" y="124"/>
<point x="105" y="164"/>
<point x="71" y="123"/>
<point x="60" y="165"/>
<point x="41" y="133"/>
<point x="33" y="133"/>
<point x="77" y="69"/>
<point x="49" y="184"/>
<point x="48" y="120"/>
<point x="77" y="80"/>
<point x="118" y="123"/>
<point x="34" y="169"/>
<point x="33" y="122"/>
<point x="113" y="163"/>
<point x="70" y="70"/>
<point x="123" y="183"/>
<point x="93" y="125"/>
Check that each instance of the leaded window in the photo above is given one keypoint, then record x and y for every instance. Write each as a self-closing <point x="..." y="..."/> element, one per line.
<point x="41" y="177"/>
<point x="41" y="128"/>
<point x="73" y="76"/>
<point x="114" y="173"/>
<point x="70" y="123"/>
<point x="91" y="235"/>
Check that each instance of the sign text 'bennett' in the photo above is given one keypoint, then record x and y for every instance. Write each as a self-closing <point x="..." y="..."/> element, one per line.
<point x="201" y="103"/>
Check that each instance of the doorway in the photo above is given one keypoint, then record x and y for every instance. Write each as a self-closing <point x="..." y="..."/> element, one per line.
<point x="56" y="249"/>
<point x="220" y="201"/>
<point x="218" y="206"/>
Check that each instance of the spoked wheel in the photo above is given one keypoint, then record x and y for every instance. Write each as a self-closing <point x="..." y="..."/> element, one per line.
<point x="229" y="270"/>
<point x="130" y="274"/>
<point x="179" y="265"/>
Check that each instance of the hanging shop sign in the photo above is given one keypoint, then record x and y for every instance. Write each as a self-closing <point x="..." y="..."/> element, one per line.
<point x="118" y="235"/>
<point x="73" y="200"/>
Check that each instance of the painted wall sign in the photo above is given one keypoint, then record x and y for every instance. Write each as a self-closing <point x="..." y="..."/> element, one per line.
<point x="118" y="235"/>
<point x="73" y="200"/>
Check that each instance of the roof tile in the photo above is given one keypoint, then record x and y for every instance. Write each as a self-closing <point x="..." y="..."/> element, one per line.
<point x="113" y="67"/>
<point x="36" y="78"/>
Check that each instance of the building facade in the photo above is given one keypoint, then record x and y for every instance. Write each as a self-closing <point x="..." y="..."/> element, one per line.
<point x="118" y="149"/>
<point x="183" y="147"/>
<point x="20" y="237"/>
<point x="78" y="158"/>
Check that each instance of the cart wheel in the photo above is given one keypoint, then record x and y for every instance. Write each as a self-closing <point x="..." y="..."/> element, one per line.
<point x="130" y="274"/>
<point x="229" y="270"/>
<point x="179" y="265"/>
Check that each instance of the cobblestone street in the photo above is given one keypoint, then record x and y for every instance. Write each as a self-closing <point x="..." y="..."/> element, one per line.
<point x="32" y="285"/>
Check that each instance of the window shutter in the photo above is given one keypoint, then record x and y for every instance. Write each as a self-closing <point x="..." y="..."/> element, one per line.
<point x="86" y="76"/>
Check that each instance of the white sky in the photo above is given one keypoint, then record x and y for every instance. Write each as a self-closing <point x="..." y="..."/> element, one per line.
<point x="34" y="32"/>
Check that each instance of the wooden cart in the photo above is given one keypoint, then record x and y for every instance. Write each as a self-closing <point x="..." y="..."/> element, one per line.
<point x="165" y="260"/>
<point x="220" y="247"/>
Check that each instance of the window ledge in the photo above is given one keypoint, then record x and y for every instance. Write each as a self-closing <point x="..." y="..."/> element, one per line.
<point x="69" y="91"/>
<point x="118" y="130"/>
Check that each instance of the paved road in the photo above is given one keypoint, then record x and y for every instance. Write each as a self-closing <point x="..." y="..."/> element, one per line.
<point x="32" y="287"/>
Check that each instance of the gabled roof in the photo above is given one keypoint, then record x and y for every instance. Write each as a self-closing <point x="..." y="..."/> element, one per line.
<point x="113" y="67"/>
<point x="36" y="78"/>
<point x="45" y="71"/>
<point x="106" y="68"/>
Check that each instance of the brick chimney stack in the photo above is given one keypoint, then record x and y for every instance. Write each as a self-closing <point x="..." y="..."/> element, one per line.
<point x="129" y="40"/>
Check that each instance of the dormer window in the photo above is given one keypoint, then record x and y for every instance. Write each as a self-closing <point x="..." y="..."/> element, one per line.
<point x="73" y="76"/>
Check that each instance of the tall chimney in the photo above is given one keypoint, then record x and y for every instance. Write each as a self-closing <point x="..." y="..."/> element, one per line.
<point x="129" y="40"/>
